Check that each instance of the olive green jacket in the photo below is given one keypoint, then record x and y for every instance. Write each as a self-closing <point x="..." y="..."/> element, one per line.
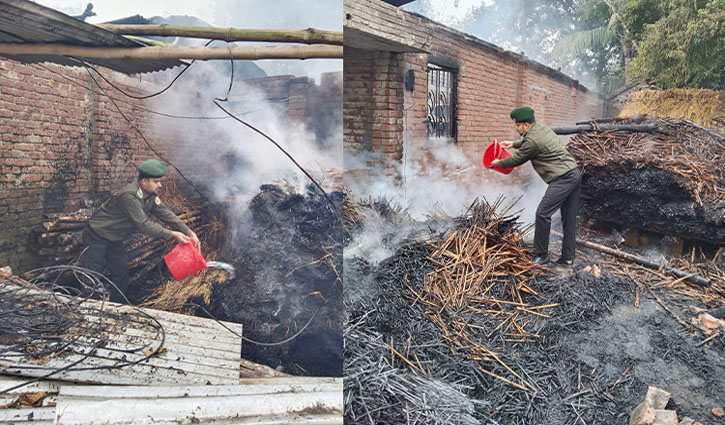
<point x="127" y="212"/>
<point x="546" y="152"/>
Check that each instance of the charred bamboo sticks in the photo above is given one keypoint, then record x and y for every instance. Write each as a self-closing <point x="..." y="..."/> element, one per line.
<point x="694" y="278"/>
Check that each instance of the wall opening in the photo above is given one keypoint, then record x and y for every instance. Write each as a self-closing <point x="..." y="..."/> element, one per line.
<point x="441" y="98"/>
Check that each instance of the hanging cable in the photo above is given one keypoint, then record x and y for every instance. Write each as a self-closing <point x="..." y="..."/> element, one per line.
<point x="153" y="149"/>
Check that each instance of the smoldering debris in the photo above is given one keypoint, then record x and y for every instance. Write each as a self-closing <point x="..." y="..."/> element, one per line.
<point x="471" y="330"/>
<point x="670" y="181"/>
<point x="288" y="265"/>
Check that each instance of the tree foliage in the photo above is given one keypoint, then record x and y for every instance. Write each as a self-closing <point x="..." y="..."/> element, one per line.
<point x="685" y="48"/>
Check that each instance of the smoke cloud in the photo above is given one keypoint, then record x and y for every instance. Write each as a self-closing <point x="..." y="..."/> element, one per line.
<point x="227" y="158"/>
<point x="448" y="185"/>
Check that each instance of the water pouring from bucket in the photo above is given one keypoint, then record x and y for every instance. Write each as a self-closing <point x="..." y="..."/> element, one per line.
<point x="495" y="151"/>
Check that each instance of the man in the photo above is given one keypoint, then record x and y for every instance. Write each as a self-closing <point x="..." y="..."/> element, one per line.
<point x="558" y="168"/>
<point x="123" y="214"/>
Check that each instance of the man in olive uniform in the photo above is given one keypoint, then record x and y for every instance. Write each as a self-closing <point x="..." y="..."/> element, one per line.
<point x="558" y="168"/>
<point x="125" y="213"/>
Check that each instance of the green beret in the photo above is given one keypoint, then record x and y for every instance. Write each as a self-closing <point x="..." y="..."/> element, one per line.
<point x="152" y="168"/>
<point x="522" y="114"/>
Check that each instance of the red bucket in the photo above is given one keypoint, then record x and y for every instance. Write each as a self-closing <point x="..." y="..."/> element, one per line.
<point x="184" y="260"/>
<point x="495" y="151"/>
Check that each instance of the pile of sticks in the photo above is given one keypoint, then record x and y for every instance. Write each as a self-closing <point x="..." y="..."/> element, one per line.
<point x="694" y="153"/>
<point x="357" y="213"/>
<point x="482" y="269"/>
<point x="59" y="237"/>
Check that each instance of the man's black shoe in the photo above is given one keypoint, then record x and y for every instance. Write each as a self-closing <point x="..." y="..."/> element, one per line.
<point x="563" y="262"/>
<point x="541" y="260"/>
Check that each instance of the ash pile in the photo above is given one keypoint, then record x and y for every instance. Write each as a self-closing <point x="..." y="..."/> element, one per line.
<point x="288" y="261"/>
<point x="668" y="180"/>
<point x="457" y="326"/>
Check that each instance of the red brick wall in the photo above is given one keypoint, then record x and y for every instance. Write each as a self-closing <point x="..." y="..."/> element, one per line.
<point x="491" y="82"/>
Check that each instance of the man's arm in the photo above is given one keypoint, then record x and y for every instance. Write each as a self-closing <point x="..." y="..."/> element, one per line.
<point x="133" y="209"/>
<point x="527" y="149"/>
<point x="172" y="220"/>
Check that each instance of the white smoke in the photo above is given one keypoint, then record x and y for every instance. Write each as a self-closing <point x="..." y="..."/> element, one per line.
<point x="227" y="158"/>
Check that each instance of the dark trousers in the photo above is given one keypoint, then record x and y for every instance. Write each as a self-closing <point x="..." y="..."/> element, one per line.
<point x="563" y="192"/>
<point x="104" y="253"/>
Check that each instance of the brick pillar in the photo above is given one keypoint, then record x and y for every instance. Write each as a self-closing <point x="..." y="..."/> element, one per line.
<point x="297" y="106"/>
<point x="388" y="110"/>
<point x="357" y="100"/>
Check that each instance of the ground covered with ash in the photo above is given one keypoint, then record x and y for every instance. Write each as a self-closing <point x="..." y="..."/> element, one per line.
<point x="287" y="259"/>
<point x="595" y="355"/>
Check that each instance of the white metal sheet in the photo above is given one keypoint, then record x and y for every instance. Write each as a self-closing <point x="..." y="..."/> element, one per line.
<point x="195" y="351"/>
<point x="311" y="402"/>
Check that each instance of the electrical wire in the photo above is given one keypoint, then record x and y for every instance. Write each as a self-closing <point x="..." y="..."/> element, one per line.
<point x="151" y="111"/>
<point x="153" y="149"/>
<point x="45" y="319"/>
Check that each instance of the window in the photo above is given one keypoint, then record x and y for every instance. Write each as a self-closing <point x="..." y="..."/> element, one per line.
<point x="441" y="101"/>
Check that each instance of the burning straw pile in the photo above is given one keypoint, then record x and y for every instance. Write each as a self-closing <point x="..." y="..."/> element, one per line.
<point x="668" y="181"/>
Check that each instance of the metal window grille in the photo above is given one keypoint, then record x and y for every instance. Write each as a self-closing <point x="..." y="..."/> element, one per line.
<point x="441" y="101"/>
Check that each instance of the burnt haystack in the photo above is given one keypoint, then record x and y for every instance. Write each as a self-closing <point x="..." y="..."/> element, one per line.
<point x="669" y="181"/>
<point x="288" y="261"/>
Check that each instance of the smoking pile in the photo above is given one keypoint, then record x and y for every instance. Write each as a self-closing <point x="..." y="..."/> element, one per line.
<point x="288" y="262"/>
<point x="671" y="180"/>
<point x="459" y="327"/>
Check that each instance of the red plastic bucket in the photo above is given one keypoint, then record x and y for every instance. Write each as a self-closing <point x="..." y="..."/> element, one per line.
<point x="495" y="151"/>
<point x="184" y="260"/>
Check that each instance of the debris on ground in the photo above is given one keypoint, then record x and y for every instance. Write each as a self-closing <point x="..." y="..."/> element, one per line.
<point x="439" y="334"/>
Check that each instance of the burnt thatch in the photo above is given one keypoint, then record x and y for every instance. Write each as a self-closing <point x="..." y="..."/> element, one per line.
<point x="670" y="182"/>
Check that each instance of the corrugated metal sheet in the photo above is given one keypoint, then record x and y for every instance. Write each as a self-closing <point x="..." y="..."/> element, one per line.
<point x="22" y="21"/>
<point x="42" y="414"/>
<point x="196" y="350"/>
<point x="269" y="401"/>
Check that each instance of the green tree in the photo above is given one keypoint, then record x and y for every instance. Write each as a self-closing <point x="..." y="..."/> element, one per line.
<point x="685" y="48"/>
<point x="606" y="36"/>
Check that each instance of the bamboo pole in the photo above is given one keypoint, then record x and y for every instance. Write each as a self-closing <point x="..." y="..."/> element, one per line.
<point x="308" y="36"/>
<point x="692" y="277"/>
<point x="198" y="53"/>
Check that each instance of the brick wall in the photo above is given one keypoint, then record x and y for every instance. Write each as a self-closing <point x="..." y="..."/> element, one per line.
<point x="491" y="82"/>
<point x="373" y="105"/>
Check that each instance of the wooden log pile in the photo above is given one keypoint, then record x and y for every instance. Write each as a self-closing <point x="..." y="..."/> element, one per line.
<point x="59" y="238"/>
<point x="671" y="181"/>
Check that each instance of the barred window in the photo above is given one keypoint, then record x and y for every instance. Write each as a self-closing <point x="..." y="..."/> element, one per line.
<point x="441" y="101"/>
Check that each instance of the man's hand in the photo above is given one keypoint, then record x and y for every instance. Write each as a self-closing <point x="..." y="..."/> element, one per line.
<point x="195" y="239"/>
<point x="180" y="237"/>
<point x="507" y="144"/>
<point x="494" y="162"/>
